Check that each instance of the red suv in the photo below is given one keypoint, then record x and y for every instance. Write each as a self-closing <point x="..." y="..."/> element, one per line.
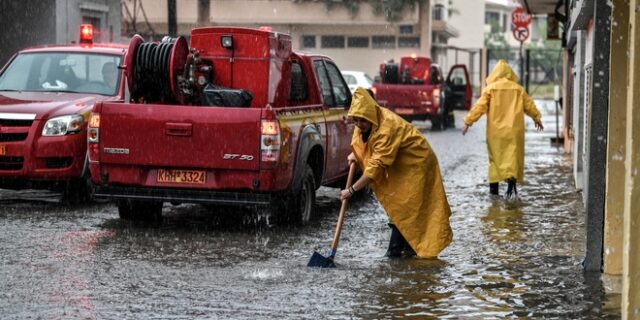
<point x="46" y="95"/>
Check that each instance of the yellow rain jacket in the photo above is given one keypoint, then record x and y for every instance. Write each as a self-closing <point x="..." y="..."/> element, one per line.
<point x="405" y="176"/>
<point x="505" y="102"/>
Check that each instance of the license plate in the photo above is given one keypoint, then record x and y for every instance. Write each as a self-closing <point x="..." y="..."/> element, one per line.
<point x="181" y="176"/>
<point x="404" y="110"/>
<point x="3" y="149"/>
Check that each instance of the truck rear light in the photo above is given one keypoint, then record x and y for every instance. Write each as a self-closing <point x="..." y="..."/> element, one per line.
<point x="93" y="136"/>
<point x="436" y="97"/>
<point x="269" y="143"/>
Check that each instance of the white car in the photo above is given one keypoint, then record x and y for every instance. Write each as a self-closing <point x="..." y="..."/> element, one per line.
<point x="356" y="79"/>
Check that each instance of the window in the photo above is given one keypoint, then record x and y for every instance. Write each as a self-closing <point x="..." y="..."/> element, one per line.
<point x="308" y="41"/>
<point x="436" y="77"/>
<point x="504" y="23"/>
<point x="409" y="42"/>
<point x="332" y="41"/>
<point x="492" y="18"/>
<point x="325" y="84"/>
<point x="439" y="12"/>
<point x="299" y="86"/>
<point x="63" y="71"/>
<point x="458" y="77"/>
<point x="358" y="42"/>
<point x="383" y="42"/>
<point x="334" y="91"/>
<point x="340" y="90"/>
<point x="349" y="79"/>
<point x="406" y="29"/>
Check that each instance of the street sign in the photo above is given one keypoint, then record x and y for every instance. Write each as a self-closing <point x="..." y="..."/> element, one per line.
<point x="520" y="18"/>
<point x="521" y="33"/>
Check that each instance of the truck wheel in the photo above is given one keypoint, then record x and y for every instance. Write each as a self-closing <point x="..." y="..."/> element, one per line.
<point x="78" y="191"/>
<point x="305" y="200"/>
<point x="298" y="208"/>
<point x="139" y="210"/>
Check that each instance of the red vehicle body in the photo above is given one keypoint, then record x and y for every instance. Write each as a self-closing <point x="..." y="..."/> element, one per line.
<point x="273" y="151"/>
<point x="416" y="90"/>
<point x="46" y="95"/>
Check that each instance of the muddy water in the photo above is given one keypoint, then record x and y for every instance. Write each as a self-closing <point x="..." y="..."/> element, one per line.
<point x="508" y="258"/>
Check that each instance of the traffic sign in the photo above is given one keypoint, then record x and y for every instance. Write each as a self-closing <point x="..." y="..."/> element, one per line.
<point x="520" y="18"/>
<point x="521" y="33"/>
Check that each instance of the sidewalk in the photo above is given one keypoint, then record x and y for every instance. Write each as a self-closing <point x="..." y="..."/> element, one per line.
<point x="520" y="258"/>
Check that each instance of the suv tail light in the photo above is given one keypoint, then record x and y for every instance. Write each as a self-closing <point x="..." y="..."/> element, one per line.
<point x="93" y="136"/>
<point x="270" y="141"/>
<point x="436" y="98"/>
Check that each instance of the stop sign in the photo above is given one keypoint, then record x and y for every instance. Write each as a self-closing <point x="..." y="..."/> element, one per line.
<point x="520" y="18"/>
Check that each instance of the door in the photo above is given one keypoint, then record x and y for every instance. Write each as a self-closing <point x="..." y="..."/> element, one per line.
<point x="458" y="88"/>
<point x="337" y="100"/>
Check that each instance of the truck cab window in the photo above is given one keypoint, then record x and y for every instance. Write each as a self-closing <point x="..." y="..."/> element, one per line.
<point x="341" y="91"/>
<point x="298" y="83"/>
<point x="325" y="84"/>
<point x="436" y="78"/>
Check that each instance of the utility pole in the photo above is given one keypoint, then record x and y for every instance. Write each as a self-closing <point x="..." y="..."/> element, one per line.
<point x="171" y="13"/>
<point x="203" y="12"/>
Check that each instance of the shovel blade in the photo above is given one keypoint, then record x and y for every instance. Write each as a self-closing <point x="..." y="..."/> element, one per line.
<point x="319" y="261"/>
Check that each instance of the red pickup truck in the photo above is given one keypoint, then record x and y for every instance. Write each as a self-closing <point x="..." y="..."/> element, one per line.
<point x="233" y="118"/>
<point x="46" y="95"/>
<point x="416" y="90"/>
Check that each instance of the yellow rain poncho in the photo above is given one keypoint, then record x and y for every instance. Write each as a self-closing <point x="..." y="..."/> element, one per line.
<point x="505" y="102"/>
<point x="405" y="176"/>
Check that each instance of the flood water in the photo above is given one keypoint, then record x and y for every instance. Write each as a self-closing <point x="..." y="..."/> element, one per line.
<point x="508" y="259"/>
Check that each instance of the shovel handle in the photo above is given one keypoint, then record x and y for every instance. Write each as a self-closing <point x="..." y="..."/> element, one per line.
<point x="343" y="209"/>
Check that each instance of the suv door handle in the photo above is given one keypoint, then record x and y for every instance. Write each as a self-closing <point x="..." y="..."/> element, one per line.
<point x="178" y="129"/>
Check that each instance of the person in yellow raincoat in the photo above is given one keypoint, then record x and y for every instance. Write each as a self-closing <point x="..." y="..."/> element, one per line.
<point x="402" y="170"/>
<point x="505" y="103"/>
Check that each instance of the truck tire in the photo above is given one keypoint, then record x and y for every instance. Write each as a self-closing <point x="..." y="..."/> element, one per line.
<point x="300" y="207"/>
<point x="305" y="200"/>
<point x="139" y="210"/>
<point x="79" y="190"/>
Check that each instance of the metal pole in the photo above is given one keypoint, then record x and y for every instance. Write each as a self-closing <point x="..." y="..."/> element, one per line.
<point x="527" y="70"/>
<point x="172" y="23"/>
<point x="557" y="122"/>
<point x="521" y="66"/>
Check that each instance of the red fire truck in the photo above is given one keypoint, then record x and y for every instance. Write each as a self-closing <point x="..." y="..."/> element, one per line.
<point x="235" y="117"/>
<point x="46" y="95"/>
<point x="415" y="89"/>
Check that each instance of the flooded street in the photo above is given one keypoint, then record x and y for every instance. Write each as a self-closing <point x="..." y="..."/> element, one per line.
<point x="508" y="258"/>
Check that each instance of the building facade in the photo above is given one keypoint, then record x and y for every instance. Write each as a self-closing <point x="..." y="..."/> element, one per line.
<point x="601" y="93"/>
<point x="357" y="40"/>
<point x="29" y="23"/>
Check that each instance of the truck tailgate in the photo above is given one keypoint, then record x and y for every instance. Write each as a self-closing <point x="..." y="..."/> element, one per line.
<point x="403" y="95"/>
<point x="180" y="136"/>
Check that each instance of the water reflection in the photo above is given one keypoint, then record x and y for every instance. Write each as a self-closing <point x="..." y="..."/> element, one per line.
<point x="503" y="222"/>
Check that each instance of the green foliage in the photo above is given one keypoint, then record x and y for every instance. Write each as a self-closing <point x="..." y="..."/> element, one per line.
<point x="391" y="9"/>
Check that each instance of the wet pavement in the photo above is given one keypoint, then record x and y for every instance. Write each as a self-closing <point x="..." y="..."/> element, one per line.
<point x="513" y="259"/>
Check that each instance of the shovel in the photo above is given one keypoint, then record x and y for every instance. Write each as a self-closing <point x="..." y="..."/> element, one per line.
<point x="318" y="260"/>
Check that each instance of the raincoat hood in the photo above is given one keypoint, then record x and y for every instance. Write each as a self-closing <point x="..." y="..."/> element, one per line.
<point x="364" y="106"/>
<point x="502" y="70"/>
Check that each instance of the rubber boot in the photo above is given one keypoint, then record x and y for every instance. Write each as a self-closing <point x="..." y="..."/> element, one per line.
<point x="398" y="245"/>
<point x="494" y="188"/>
<point x="512" y="190"/>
